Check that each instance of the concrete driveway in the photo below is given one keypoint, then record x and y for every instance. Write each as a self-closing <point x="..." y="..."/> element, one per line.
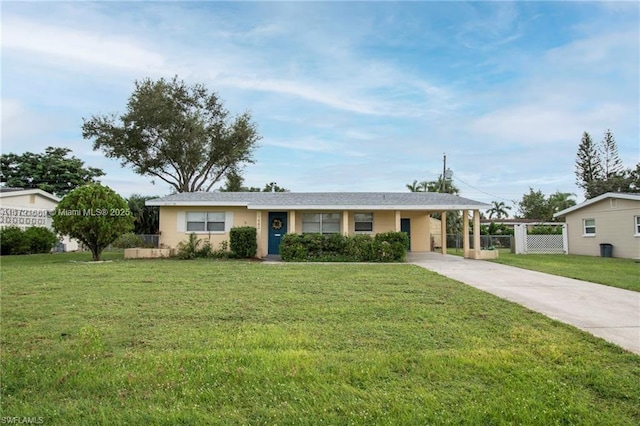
<point x="607" y="312"/>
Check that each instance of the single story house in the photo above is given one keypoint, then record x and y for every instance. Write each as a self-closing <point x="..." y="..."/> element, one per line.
<point x="611" y="218"/>
<point x="25" y="208"/>
<point x="211" y="215"/>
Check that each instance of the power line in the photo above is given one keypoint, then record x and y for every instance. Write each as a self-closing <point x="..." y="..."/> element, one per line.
<point x="484" y="192"/>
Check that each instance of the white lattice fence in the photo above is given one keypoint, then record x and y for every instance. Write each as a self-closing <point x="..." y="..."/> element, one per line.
<point x="545" y="244"/>
<point x="540" y="244"/>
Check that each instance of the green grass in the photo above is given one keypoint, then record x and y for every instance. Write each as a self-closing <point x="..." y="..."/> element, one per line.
<point x="205" y="342"/>
<point x="615" y="272"/>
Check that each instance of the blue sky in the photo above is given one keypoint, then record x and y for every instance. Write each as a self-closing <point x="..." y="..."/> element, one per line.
<point x="347" y="96"/>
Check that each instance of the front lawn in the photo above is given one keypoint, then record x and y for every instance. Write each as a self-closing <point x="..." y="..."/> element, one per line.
<point x="622" y="273"/>
<point x="214" y="342"/>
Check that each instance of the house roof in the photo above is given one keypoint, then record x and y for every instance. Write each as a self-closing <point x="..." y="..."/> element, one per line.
<point x="620" y="195"/>
<point x="323" y="200"/>
<point x="19" y="192"/>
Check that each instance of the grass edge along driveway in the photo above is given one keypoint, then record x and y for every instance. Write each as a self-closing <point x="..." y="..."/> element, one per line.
<point x="202" y="342"/>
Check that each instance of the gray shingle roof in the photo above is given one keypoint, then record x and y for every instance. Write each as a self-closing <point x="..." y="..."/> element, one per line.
<point x="323" y="200"/>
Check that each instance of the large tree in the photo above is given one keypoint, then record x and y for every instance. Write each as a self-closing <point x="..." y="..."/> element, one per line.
<point x="93" y="214"/>
<point x="177" y="133"/>
<point x="52" y="171"/>
<point x="535" y="205"/>
<point x="599" y="168"/>
<point x="146" y="219"/>
<point x="588" y="164"/>
<point x="235" y="183"/>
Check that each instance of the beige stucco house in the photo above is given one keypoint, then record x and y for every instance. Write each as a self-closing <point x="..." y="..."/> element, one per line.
<point x="611" y="218"/>
<point x="30" y="207"/>
<point x="211" y="215"/>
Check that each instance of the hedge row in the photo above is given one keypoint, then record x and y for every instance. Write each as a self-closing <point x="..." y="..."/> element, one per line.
<point x="385" y="247"/>
<point x="35" y="239"/>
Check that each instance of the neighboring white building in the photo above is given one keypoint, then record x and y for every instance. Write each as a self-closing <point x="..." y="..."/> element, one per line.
<point x="25" y="208"/>
<point x="611" y="218"/>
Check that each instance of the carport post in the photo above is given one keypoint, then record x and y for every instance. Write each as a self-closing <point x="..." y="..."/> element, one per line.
<point x="465" y="233"/>
<point x="476" y="234"/>
<point x="443" y="232"/>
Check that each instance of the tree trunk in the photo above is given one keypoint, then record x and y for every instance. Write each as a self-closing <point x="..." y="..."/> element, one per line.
<point x="95" y="253"/>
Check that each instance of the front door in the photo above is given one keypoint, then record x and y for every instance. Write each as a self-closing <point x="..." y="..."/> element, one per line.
<point x="277" y="229"/>
<point x="405" y="226"/>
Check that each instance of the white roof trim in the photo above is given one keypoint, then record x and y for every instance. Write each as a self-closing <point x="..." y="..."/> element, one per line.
<point x="29" y="192"/>
<point x="633" y="197"/>
<point x="286" y="207"/>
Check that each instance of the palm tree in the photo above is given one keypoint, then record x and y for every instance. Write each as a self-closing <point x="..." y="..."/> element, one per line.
<point x="417" y="187"/>
<point x="499" y="209"/>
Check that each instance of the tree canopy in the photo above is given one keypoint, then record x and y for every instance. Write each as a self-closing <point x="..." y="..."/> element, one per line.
<point x="535" y="205"/>
<point x="599" y="168"/>
<point x="235" y="183"/>
<point x="177" y="133"/>
<point x="93" y="214"/>
<point x="52" y="171"/>
<point x="499" y="209"/>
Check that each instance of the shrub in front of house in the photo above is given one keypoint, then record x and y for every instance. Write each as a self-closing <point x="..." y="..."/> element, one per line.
<point x="195" y="248"/>
<point x="35" y="239"/>
<point x="243" y="242"/>
<point x="129" y="240"/>
<point x="386" y="247"/>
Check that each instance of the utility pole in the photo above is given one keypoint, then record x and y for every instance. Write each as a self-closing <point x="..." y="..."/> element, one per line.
<point x="444" y="168"/>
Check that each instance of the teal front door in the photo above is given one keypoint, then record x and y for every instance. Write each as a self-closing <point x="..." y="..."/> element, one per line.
<point x="277" y="229"/>
<point x="405" y="226"/>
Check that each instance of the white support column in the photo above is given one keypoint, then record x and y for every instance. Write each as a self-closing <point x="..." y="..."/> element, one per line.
<point x="443" y="232"/>
<point x="345" y="222"/>
<point x="292" y="222"/>
<point x="465" y="233"/>
<point x="259" y="233"/>
<point x="429" y="232"/>
<point x="476" y="234"/>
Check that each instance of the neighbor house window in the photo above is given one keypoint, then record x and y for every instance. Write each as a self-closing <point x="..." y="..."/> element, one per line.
<point x="363" y="222"/>
<point x="637" y="223"/>
<point x="589" y="227"/>
<point x="205" y="221"/>
<point x="321" y="223"/>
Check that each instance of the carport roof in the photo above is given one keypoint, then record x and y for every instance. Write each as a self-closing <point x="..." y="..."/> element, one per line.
<point x="323" y="200"/>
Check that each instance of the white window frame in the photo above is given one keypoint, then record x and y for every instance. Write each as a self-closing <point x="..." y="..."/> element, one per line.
<point x="322" y="220"/>
<point x="585" y="226"/>
<point x="364" y="219"/>
<point x="209" y="221"/>
<point x="636" y="223"/>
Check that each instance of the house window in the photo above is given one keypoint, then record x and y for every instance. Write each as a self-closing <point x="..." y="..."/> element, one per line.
<point x="321" y="223"/>
<point x="205" y="221"/>
<point x="363" y="222"/>
<point x="637" y="223"/>
<point x="589" y="227"/>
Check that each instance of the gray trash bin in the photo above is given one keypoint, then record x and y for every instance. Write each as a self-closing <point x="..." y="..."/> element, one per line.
<point x="606" y="250"/>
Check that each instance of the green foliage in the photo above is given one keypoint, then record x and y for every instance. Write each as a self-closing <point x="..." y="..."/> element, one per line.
<point x="93" y="214"/>
<point x="35" y="239"/>
<point x="40" y="239"/>
<point x="51" y="171"/>
<point x="599" y="168"/>
<point x="13" y="241"/>
<point x="235" y="183"/>
<point x="129" y="240"/>
<point x="194" y="248"/>
<point x="545" y="230"/>
<point x="495" y="229"/>
<point x="177" y="133"/>
<point x="146" y="219"/>
<point x="243" y="241"/>
<point x="535" y="205"/>
<point x="499" y="209"/>
<point x="384" y="247"/>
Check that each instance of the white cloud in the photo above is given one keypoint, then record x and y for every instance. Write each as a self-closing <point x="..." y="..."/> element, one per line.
<point x="71" y="45"/>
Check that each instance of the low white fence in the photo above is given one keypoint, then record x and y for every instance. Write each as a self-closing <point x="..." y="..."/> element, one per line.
<point x="540" y="244"/>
